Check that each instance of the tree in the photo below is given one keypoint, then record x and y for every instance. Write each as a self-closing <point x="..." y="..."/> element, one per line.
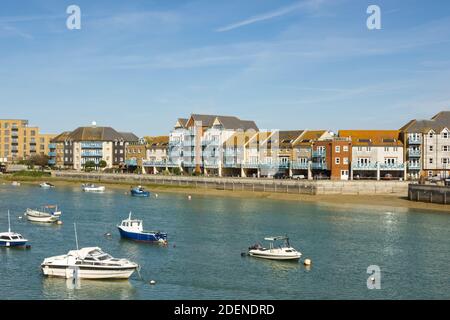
<point x="89" y="165"/>
<point x="102" y="164"/>
<point x="40" y="160"/>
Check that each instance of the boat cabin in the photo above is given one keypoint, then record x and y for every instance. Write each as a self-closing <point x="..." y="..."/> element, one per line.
<point x="132" y="224"/>
<point x="11" y="237"/>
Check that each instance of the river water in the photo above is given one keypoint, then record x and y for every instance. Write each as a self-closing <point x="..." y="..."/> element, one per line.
<point x="206" y="237"/>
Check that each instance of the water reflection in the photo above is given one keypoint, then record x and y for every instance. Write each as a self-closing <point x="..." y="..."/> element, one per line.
<point x="58" y="288"/>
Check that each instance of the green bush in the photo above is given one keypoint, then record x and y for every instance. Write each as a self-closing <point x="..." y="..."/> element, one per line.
<point x="35" y="174"/>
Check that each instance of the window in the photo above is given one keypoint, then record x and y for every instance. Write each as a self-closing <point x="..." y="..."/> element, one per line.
<point x="430" y="161"/>
<point x="445" y="148"/>
<point x="395" y="149"/>
<point x="338" y="149"/>
<point x="345" y="148"/>
<point x="445" y="161"/>
<point x="430" y="135"/>
<point x="345" y="161"/>
<point x="368" y="148"/>
<point x="337" y="160"/>
<point x="359" y="148"/>
<point x="386" y="149"/>
<point x="430" y="148"/>
<point x="33" y="133"/>
<point x="445" y="135"/>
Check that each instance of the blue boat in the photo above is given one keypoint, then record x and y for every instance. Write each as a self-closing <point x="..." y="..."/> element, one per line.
<point x="133" y="229"/>
<point x="139" y="192"/>
<point x="11" y="239"/>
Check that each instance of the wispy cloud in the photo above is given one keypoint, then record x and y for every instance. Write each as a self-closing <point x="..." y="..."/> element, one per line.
<point x="270" y="15"/>
<point x="13" y="31"/>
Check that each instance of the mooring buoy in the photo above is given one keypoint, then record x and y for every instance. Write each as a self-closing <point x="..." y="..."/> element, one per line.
<point x="307" y="262"/>
<point x="152" y="282"/>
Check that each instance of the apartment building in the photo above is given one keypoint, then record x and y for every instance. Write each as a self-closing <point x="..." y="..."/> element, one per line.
<point x="376" y="154"/>
<point x="56" y="150"/>
<point x="427" y="146"/>
<point x="19" y="141"/>
<point x="331" y="158"/>
<point x="135" y="155"/>
<point x="157" y="152"/>
<point x="176" y="143"/>
<point x="96" y="144"/>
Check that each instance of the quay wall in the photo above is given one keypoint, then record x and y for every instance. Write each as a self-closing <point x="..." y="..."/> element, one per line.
<point x="311" y="187"/>
<point x="429" y="193"/>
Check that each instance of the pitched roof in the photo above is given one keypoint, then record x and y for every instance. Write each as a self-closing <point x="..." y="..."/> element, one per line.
<point x="372" y="137"/>
<point x="285" y="138"/>
<point x="228" y="122"/>
<point x="100" y="134"/>
<point x="239" y="139"/>
<point x="182" y="122"/>
<point x="437" y="123"/>
<point x="159" y="142"/>
<point x="309" y="136"/>
<point x="61" y="137"/>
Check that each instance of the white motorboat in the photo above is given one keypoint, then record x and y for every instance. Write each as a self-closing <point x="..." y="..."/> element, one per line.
<point x="276" y="251"/>
<point x="15" y="184"/>
<point x="88" y="263"/>
<point x="46" y="185"/>
<point x="89" y="187"/>
<point x="47" y="214"/>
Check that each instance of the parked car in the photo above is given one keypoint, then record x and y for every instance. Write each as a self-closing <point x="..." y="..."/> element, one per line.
<point x="298" y="176"/>
<point x="279" y="175"/>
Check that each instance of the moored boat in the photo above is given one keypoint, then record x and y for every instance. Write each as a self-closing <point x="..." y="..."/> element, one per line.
<point x="89" y="187"/>
<point x="133" y="229"/>
<point x="46" y="185"/>
<point x="139" y="191"/>
<point x="11" y="239"/>
<point x="284" y="251"/>
<point x="88" y="263"/>
<point x="47" y="214"/>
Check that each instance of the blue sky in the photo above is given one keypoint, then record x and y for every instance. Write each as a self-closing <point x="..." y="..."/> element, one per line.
<point x="138" y="65"/>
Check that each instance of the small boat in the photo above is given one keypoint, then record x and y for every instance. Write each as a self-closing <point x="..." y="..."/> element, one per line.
<point x="284" y="251"/>
<point x="133" y="229"/>
<point x="15" y="184"/>
<point x="47" y="214"/>
<point x="11" y="239"/>
<point x="88" y="263"/>
<point x="139" y="192"/>
<point x="46" y="185"/>
<point x="89" y="187"/>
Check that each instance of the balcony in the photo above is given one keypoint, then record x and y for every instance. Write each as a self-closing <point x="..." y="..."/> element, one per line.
<point x="52" y="162"/>
<point x="92" y="145"/>
<point x="275" y="165"/>
<point x="250" y="165"/>
<point x="52" y="154"/>
<point x="364" y="166"/>
<point x="52" y="145"/>
<point x="131" y="162"/>
<point x="319" y="166"/>
<point x="319" y="153"/>
<point x="91" y="153"/>
<point x="392" y="166"/>
<point x="414" y="140"/>
<point x="414" y="153"/>
<point x="211" y="164"/>
<point x="414" y="166"/>
<point x="210" y="142"/>
<point x="231" y="164"/>
<point x="299" y="165"/>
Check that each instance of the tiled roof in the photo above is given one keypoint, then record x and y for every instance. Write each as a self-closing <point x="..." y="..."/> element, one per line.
<point x="285" y="138"/>
<point x="61" y="137"/>
<point x="239" y="139"/>
<point x="437" y="123"/>
<point x="309" y="136"/>
<point x="372" y="137"/>
<point x="228" y="122"/>
<point x="159" y="142"/>
<point x="100" y="134"/>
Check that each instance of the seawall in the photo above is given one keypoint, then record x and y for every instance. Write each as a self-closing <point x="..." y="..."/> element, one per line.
<point x="315" y="187"/>
<point x="429" y="193"/>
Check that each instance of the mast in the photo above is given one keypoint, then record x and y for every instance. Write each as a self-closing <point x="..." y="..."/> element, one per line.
<point x="9" y="223"/>
<point x="76" y="237"/>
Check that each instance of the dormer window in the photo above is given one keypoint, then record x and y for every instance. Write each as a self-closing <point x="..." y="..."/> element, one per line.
<point x="431" y="135"/>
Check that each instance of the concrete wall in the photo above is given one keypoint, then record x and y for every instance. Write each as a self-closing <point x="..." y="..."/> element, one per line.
<point x="399" y="188"/>
<point x="429" y="193"/>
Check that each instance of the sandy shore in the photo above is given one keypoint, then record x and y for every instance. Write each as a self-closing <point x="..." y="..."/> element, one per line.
<point x="387" y="202"/>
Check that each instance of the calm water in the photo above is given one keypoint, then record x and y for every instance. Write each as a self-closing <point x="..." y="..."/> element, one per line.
<point x="208" y="234"/>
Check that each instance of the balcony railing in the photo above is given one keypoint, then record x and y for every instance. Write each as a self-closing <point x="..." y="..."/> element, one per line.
<point x="414" y="140"/>
<point x="299" y="165"/>
<point x="52" y="145"/>
<point x="92" y="145"/>
<point x="160" y="163"/>
<point x="52" y="162"/>
<point x="364" y="166"/>
<point x="319" y="166"/>
<point x="414" y="153"/>
<point x="376" y="166"/>
<point x="210" y="142"/>
<point x="52" y="154"/>
<point x="414" y="165"/>
<point x="91" y="153"/>
<point x="319" y="154"/>
<point x="392" y="166"/>
<point x="131" y="162"/>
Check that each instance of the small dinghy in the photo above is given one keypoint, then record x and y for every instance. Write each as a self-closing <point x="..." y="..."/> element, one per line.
<point x="89" y="187"/>
<point x="283" y="251"/>
<point x="15" y="184"/>
<point x="133" y="229"/>
<point x="139" y="192"/>
<point x="47" y="214"/>
<point x="46" y="185"/>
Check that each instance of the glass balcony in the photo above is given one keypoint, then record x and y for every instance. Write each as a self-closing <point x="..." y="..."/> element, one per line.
<point x="364" y="166"/>
<point x="414" y="153"/>
<point x="414" y="166"/>
<point x="91" y="145"/>
<point x="319" y="166"/>
<point x="91" y="153"/>
<point x="52" y="162"/>
<point x="414" y="140"/>
<point x="299" y="165"/>
<point x="52" y="154"/>
<point x="52" y="145"/>
<point x="392" y="166"/>
<point x="319" y="153"/>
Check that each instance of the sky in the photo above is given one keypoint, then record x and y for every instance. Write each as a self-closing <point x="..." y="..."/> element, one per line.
<point x="139" y="65"/>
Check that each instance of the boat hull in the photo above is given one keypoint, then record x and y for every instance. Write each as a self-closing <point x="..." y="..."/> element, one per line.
<point x="273" y="256"/>
<point x="144" y="237"/>
<point x="142" y="194"/>
<point x="35" y="216"/>
<point x="88" y="272"/>
<point x="12" y="243"/>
